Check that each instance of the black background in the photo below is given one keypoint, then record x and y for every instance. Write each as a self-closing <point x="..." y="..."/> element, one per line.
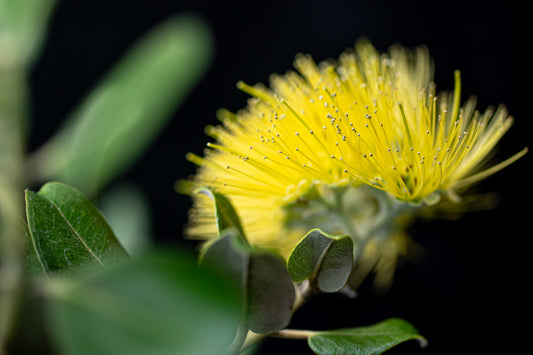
<point x="470" y="293"/>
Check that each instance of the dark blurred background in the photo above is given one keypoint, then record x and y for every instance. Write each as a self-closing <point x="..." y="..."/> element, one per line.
<point x="470" y="294"/>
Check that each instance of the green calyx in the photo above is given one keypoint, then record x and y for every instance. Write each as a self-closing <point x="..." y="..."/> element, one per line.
<point x="359" y="211"/>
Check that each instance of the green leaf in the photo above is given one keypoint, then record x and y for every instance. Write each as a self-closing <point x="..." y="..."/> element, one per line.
<point x="371" y="340"/>
<point x="22" y="28"/>
<point x="228" y="255"/>
<point x="270" y="293"/>
<point x="129" y="108"/>
<point x="32" y="265"/>
<point x="267" y="290"/>
<point x="67" y="231"/>
<point x="161" y="303"/>
<point x="324" y="259"/>
<point x="225" y="214"/>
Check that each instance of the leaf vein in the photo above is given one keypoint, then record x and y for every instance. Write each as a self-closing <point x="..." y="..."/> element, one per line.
<point x="78" y="236"/>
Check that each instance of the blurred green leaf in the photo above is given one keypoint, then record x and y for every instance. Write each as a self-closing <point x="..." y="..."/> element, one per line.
<point x="67" y="231"/>
<point x="225" y="214"/>
<point x="22" y="28"/>
<point x="325" y="259"/>
<point x="126" y="209"/>
<point x="370" y="340"/>
<point x="268" y="292"/>
<point x="161" y="303"/>
<point x="129" y="108"/>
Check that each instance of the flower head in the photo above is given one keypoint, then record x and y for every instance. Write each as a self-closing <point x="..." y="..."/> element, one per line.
<point x="367" y="119"/>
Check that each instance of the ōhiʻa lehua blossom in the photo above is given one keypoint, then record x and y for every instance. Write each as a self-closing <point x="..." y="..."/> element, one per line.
<point x="368" y="122"/>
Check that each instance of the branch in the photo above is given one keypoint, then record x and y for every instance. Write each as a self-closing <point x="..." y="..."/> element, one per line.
<point x="293" y="334"/>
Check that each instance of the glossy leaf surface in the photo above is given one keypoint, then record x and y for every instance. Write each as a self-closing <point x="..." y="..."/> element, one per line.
<point x="67" y="231"/>
<point x="370" y="340"/>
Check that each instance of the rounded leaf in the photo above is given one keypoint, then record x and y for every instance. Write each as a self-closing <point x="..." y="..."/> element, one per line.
<point x="324" y="259"/>
<point x="270" y="293"/>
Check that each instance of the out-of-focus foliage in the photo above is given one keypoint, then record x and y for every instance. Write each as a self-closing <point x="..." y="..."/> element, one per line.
<point x="155" y="304"/>
<point x="126" y="208"/>
<point x="22" y="29"/>
<point x="129" y="108"/>
<point x="80" y="284"/>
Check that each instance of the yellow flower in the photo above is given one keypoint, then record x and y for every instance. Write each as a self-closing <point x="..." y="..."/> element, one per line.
<point x="367" y="119"/>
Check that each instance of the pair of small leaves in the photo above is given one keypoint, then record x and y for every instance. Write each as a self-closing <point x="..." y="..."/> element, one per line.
<point x="326" y="260"/>
<point x="267" y="291"/>
<point x="67" y="231"/>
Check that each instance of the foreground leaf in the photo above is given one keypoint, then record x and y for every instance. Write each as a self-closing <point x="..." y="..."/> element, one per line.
<point x="324" y="259"/>
<point x="22" y="28"/>
<point x="129" y="108"/>
<point x="267" y="291"/>
<point x="371" y="340"/>
<point x="157" y="304"/>
<point x="67" y="231"/>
